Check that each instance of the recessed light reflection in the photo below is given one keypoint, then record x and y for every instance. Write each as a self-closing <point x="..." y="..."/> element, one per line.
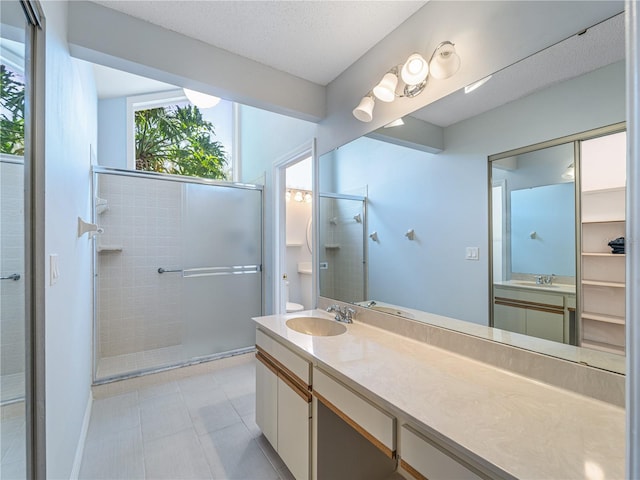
<point x="473" y="86"/>
<point x="593" y="471"/>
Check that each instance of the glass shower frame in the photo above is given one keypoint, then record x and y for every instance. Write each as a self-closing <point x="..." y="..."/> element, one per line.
<point x="187" y="273"/>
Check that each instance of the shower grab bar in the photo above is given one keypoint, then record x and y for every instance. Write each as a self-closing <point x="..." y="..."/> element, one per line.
<point x="162" y="270"/>
<point x="213" y="271"/>
<point x="14" y="276"/>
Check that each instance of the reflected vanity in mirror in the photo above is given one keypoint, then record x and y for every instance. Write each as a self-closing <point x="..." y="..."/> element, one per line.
<point x="546" y="233"/>
<point x="437" y="186"/>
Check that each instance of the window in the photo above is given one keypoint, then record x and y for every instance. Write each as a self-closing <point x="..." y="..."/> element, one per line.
<point x="167" y="134"/>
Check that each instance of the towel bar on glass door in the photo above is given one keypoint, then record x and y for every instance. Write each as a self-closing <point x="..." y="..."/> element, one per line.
<point x="211" y="271"/>
<point x="14" y="276"/>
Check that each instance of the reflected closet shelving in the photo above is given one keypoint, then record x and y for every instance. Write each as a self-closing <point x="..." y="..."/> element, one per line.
<point x="603" y="272"/>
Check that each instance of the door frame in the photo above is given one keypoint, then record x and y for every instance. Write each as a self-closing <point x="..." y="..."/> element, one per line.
<point x="34" y="246"/>
<point x="306" y="150"/>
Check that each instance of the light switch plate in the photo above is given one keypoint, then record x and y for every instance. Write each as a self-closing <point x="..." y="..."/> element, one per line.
<point x="54" y="270"/>
<point x="472" y="253"/>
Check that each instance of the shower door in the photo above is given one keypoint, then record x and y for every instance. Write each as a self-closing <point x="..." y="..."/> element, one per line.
<point x="178" y="271"/>
<point x="222" y="253"/>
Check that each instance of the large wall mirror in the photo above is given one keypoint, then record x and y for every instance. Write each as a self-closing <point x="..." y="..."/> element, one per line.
<point x="557" y="240"/>
<point x="406" y="229"/>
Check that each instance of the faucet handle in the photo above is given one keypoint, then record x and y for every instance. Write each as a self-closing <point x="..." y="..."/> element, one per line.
<point x="351" y="314"/>
<point x="333" y="308"/>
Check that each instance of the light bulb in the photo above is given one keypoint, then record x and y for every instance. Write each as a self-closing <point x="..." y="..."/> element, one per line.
<point x="364" y="110"/>
<point x="298" y="197"/>
<point x="308" y="198"/>
<point x="288" y="195"/>
<point x="445" y="61"/>
<point x="386" y="89"/>
<point x="415" y="70"/>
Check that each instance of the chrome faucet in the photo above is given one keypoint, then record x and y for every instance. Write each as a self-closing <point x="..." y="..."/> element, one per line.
<point x="345" y="314"/>
<point x="545" y="279"/>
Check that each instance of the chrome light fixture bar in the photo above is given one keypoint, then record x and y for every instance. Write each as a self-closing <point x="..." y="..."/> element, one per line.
<point x="413" y="74"/>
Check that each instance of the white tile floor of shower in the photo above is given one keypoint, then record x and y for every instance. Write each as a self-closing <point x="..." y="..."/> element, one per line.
<point x="195" y="427"/>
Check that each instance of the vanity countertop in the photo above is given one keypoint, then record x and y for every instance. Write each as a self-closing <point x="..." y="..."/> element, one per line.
<point x="511" y="425"/>
<point x="558" y="288"/>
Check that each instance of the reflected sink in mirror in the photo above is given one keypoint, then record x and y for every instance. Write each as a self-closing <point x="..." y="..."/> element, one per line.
<point x="533" y="284"/>
<point x="316" y="326"/>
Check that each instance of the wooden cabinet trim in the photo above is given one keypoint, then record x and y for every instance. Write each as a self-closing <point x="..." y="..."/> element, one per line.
<point x="541" y="307"/>
<point x="266" y="363"/>
<point x="295" y="383"/>
<point x="377" y="443"/>
<point x="412" y="471"/>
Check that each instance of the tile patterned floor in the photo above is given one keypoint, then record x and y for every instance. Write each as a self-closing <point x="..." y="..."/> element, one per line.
<point x="199" y="427"/>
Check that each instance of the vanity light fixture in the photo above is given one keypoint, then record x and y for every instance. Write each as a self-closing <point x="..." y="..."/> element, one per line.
<point x="201" y="100"/>
<point x="412" y="76"/>
<point x="385" y="91"/>
<point x="444" y="62"/>
<point x="364" y="110"/>
<point x="299" y="196"/>
<point x="414" y="70"/>
<point x="475" y="85"/>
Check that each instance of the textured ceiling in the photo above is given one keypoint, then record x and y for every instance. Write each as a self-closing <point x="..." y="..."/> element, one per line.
<point x="600" y="45"/>
<point x="315" y="40"/>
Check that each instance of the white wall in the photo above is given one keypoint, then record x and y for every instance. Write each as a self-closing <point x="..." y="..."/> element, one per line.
<point x="71" y="116"/>
<point x="112" y="132"/>
<point x="444" y="197"/>
<point x="265" y="138"/>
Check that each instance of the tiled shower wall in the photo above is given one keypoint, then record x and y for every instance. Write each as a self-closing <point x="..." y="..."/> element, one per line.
<point x="342" y="246"/>
<point x="12" y="253"/>
<point x="138" y="308"/>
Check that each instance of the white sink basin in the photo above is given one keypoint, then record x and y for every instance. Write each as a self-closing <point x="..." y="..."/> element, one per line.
<point x="316" y="326"/>
<point x="392" y="311"/>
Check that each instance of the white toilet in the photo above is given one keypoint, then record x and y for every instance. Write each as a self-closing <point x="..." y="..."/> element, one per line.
<point x="291" y="306"/>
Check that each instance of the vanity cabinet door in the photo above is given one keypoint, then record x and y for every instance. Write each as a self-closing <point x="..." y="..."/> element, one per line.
<point x="509" y="318"/>
<point x="545" y="325"/>
<point x="267" y="401"/>
<point x="294" y="413"/>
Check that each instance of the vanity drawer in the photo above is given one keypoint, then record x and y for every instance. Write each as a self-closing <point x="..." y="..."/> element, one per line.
<point x="423" y="460"/>
<point x="374" y="424"/>
<point x="295" y="364"/>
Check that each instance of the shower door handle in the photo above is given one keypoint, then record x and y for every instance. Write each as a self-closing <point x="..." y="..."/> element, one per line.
<point x="162" y="270"/>
<point x="14" y="276"/>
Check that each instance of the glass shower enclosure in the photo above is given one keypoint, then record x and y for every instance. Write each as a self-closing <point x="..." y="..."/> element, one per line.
<point x="178" y="271"/>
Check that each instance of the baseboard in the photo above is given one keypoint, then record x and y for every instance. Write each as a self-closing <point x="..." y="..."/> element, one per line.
<point x="77" y="461"/>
